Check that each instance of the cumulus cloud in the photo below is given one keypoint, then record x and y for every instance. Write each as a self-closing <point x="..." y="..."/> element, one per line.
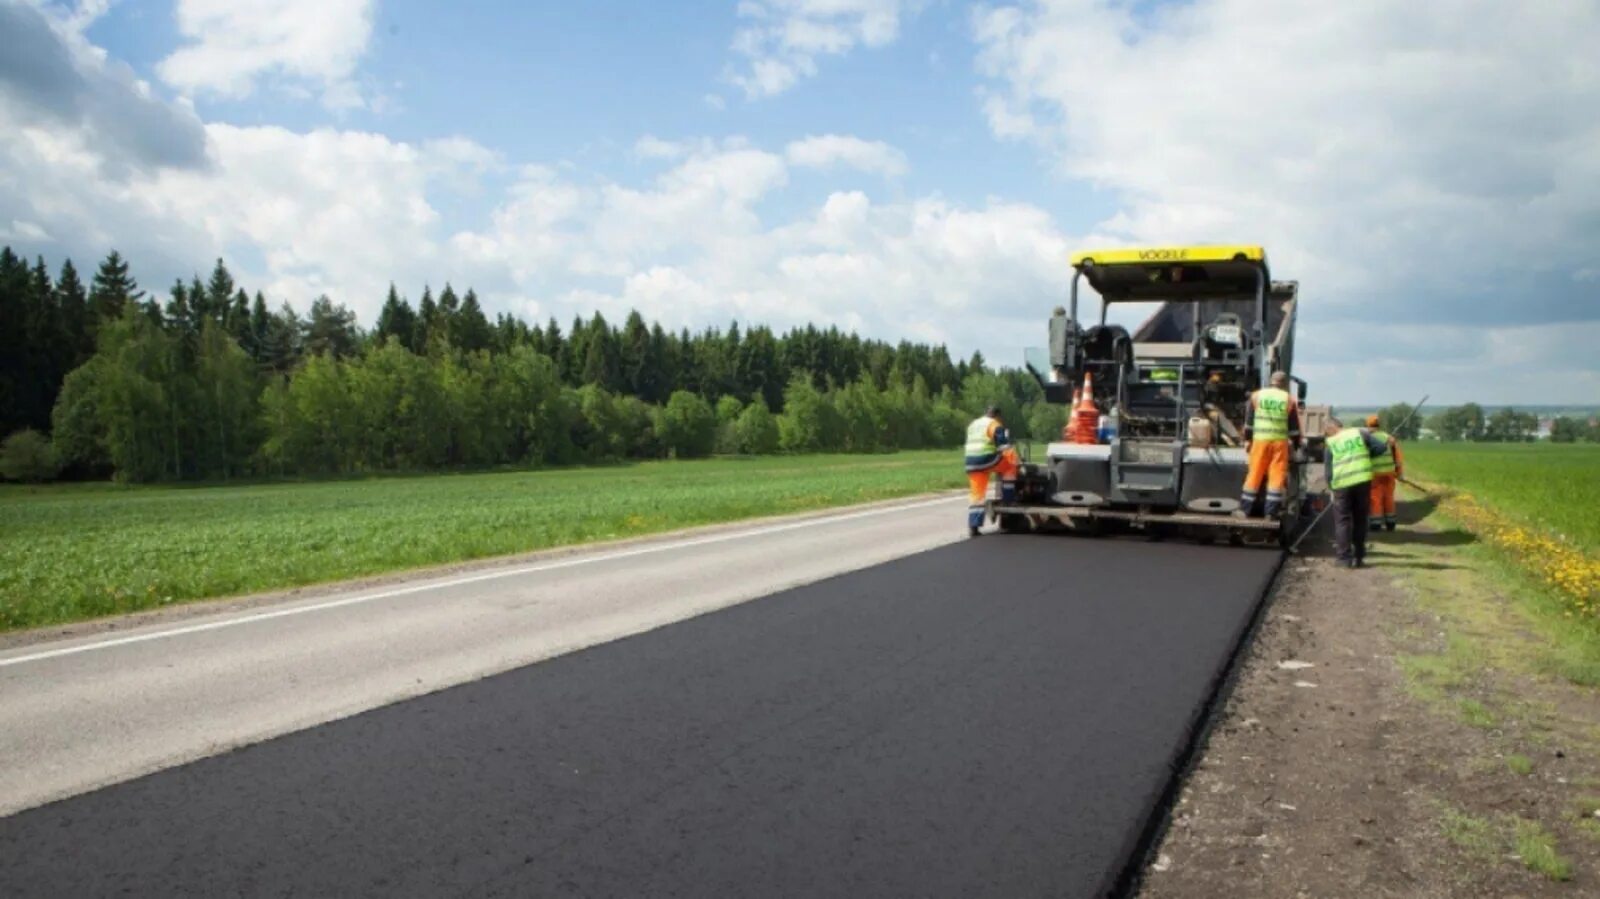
<point x="57" y="90"/>
<point x="781" y="40"/>
<point x="691" y="248"/>
<point x="231" y="46"/>
<point x="830" y="150"/>
<point x="1406" y="163"/>
<point x="692" y="241"/>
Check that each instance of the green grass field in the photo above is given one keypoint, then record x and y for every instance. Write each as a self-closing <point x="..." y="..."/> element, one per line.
<point x="69" y="552"/>
<point x="1551" y="486"/>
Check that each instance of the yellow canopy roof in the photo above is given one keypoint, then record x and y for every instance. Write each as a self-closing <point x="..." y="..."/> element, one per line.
<point x="1147" y="255"/>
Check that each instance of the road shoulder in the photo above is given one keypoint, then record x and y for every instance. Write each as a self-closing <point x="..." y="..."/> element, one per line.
<point x="1394" y="731"/>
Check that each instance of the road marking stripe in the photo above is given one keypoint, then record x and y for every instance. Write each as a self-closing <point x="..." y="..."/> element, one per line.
<point x="456" y="582"/>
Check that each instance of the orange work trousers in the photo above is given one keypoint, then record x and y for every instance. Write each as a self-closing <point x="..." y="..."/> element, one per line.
<point x="978" y="481"/>
<point x="1269" y="462"/>
<point x="1383" y="500"/>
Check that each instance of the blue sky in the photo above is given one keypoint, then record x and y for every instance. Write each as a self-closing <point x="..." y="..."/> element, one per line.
<point x="909" y="168"/>
<point x="583" y="81"/>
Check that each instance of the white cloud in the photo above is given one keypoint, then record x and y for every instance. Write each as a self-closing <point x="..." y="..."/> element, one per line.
<point x="24" y="231"/>
<point x="829" y="150"/>
<point x="234" y="45"/>
<point x="58" y="89"/>
<point x="652" y="147"/>
<point x="781" y="40"/>
<point x="77" y="15"/>
<point x="692" y="249"/>
<point x="1409" y="164"/>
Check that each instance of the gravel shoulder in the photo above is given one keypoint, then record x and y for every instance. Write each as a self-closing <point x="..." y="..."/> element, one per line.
<point x="1394" y="731"/>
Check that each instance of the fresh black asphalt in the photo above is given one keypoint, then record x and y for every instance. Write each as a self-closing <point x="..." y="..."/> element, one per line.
<point x="997" y="717"/>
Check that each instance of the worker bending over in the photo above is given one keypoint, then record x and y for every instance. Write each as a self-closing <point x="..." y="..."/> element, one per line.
<point x="1386" y="470"/>
<point x="1273" y="423"/>
<point x="989" y="450"/>
<point x="1349" y="455"/>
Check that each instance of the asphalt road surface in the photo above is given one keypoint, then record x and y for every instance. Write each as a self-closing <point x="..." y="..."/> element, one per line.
<point x="95" y="709"/>
<point x="983" y="718"/>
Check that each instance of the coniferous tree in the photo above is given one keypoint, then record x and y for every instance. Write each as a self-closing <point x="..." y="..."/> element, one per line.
<point x="427" y="320"/>
<point x="444" y="322"/>
<point x="576" y="356"/>
<point x="112" y="289"/>
<point x="218" y="295"/>
<point x="14" y="362"/>
<point x="638" y="373"/>
<point x="396" y="321"/>
<point x="665" y="357"/>
<point x="331" y="329"/>
<point x="179" y="315"/>
<point x="237" y="321"/>
<point x="260" y="328"/>
<point x="554" y="345"/>
<point x="73" y="303"/>
<point x="600" y="364"/>
<point x="282" y="342"/>
<point x="46" y="344"/>
<point x="470" y="329"/>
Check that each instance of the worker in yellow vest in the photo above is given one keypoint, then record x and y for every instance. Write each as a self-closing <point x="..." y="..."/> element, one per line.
<point x="1273" y="424"/>
<point x="1349" y="454"/>
<point x="1386" y="470"/>
<point x="989" y="451"/>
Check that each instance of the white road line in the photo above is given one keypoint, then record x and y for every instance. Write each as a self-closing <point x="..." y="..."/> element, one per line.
<point x="456" y="582"/>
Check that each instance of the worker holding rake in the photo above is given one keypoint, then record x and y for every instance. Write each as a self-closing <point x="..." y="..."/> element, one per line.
<point x="988" y="451"/>
<point x="1349" y="454"/>
<point x="1386" y="470"/>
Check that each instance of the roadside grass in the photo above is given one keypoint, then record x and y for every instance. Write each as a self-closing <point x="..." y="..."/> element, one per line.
<point x="1431" y="676"/>
<point x="1499" y="648"/>
<point x="1536" y="847"/>
<point x="1555" y="487"/>
<point x="1472" y="834"/>
<point x="1586" y="816"/>
<point x="1487" y="840"/>
<point x="1475" y="713"/>
<point x="76" y="551"/>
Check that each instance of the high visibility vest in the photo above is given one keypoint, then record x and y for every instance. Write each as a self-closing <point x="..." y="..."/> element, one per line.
<point x="1383" y="464"/>
<point x="1352" y="461"/>
<point x="1272" y="415"/>
<point x="980" y="437"/>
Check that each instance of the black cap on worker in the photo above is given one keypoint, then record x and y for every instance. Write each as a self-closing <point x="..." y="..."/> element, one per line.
<point x="992" y="412"/>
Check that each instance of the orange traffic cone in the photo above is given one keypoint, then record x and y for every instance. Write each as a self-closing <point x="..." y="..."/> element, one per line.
<point x="1085" y="414"/>
<point x="1066" y="429"/>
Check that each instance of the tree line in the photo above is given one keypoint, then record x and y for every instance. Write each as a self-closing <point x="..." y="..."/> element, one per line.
<point x="210" y="382"/>
<point x="1470" y="422"/>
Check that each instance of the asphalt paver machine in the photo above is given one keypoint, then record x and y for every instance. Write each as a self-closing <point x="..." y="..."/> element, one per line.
<point x="1167" y="403"/>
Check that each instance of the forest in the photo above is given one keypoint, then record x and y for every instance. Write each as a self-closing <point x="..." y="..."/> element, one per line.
<point x="210" y="382"/>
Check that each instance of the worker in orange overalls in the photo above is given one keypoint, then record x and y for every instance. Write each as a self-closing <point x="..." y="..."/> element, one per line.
<point x="1273" y="424"/>
<point x="988" y="451"/>
<point x="1386" y="470"/>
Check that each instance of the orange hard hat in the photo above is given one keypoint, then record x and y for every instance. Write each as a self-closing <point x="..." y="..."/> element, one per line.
<point x="1372" y="421"/>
